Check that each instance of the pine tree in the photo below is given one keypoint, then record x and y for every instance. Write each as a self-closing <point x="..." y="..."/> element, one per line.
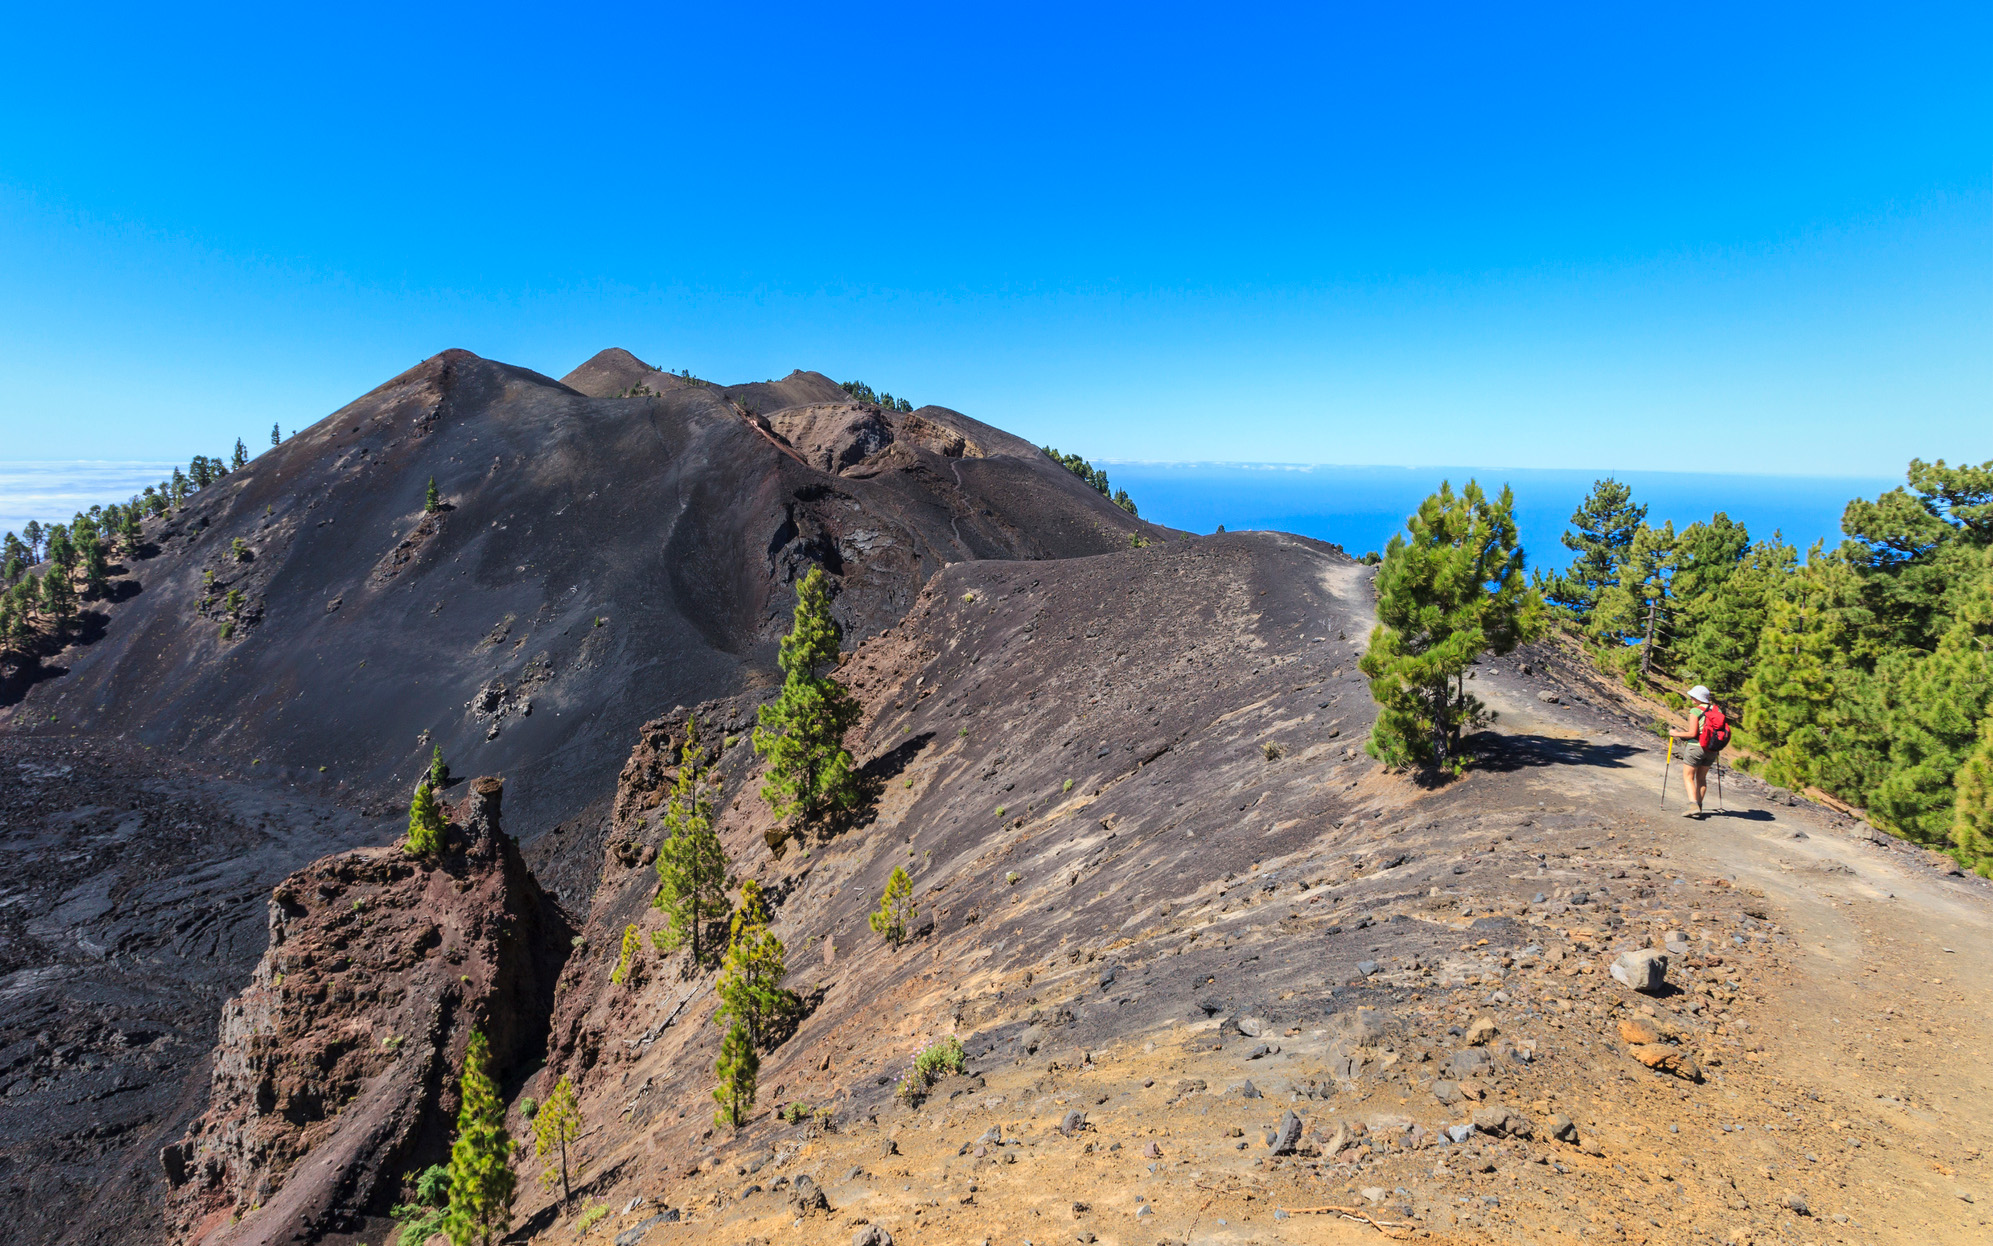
<point x="1437" y="613"/>
<point x="750" y="987"/>
<point x="1789" y="692"/>
<point x="58" y="597"/>
<point x="737" y="1069"/>
<point x="240" y="459"/>
<point x="555" y="1126"/>
<point x="276" y="436"/>
<point x="425" y="824"/>
<point x="1601" y="533"/>
<point x="894" y="916"/>
<point x="802" y="733"/>
<point x="432" y="501"/>
<point x="1630" y="618"/>
<point x="691" y="862"/>
<point x="1934" y="726"/>
<point x="33" y="532"/>
<point x="1972" y="811"/>
<point x="439" y="770"/>
<point x="96" y="566"/>
<point x="480" y="1157"/>
<point x="1724" y="624"/>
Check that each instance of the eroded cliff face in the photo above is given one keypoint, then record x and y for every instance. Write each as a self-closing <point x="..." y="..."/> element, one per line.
<point x="336" y="1069"/>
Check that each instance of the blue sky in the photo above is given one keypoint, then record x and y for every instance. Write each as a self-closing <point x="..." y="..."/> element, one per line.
<point x="1598" y="236"/>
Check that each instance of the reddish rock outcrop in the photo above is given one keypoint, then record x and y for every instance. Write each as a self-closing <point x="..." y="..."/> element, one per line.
<point x="336" y="1069"/>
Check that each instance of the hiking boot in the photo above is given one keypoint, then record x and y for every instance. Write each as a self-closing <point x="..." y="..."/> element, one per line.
<point x="1697" y="814"/>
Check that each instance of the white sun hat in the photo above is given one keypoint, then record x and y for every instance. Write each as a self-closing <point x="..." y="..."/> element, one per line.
<point x="1699" y="693"/>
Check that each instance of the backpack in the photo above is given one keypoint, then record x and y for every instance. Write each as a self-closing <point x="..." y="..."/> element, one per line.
<point x="1714" y="730"/>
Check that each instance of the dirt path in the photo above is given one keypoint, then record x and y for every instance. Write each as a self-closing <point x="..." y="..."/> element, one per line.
<point x="1882" y="1017"/>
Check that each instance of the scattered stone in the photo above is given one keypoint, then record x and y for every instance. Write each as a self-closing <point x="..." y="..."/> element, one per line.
<point x="635" y="1233"/>
<point x="853" y="1173"/>
<point x="1287" y="1135"/>
<point x="888" y="1148"/>
<point x="1665" y="1059"/>
<point x="806" y="1196"/>
<point x="1446" y="1092"/>
<point x="1244" y="1090"/>
<point x="1075" y="1121"/>
<point x="1639" y="1031"/>
<point x="1459" y="1133"/>
<point x="1190" y="1086"/>
<point x="1467" y="1062"/>
<point x="1366" y="967"/>
<point x="1548" y="698"/>
<point x="1251" y="1027"/>
<point x="1797" y="1204"/>
<point x="1261" y="1051"/>
<point x="1151" y="1151"/>
<point x="1501" y="1122"/>
<point x="1644" y="970"/>
<point x="1481" y="1031"/>
<point x="1563" y="1128"/>
<point x="872" y="1235"/>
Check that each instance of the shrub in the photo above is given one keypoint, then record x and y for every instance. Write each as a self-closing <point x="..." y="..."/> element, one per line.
<point x="1013" y="878"/>
<point x="1068" y="787"/>
<point x="1270" y="751"/>
<point x="795" y="1112"/>
<point x="592" y="1217"/>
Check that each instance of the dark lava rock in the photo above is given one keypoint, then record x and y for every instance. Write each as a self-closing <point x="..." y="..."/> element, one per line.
<point x="1286" y="1135"/>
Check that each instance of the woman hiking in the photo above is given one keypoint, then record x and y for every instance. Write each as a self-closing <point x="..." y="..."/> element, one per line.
<point x="1704" y="744"/>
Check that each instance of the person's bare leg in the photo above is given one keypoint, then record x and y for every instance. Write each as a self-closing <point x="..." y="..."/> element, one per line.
<point x="1700" y="784"/>
<point x="1688" y="783"/>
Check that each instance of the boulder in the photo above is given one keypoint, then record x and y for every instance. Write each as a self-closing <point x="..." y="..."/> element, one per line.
<point x="871" y="1235"/>
<point x="1286" y="1135"/>
<point x="1644" y="970"/>
<point x="1481" y="1031"/>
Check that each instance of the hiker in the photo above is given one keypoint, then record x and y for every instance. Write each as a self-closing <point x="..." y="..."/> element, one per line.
<point x="1704" y="744"/>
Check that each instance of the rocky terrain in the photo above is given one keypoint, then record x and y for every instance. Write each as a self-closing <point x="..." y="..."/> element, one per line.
<point x="1217" y="976"/>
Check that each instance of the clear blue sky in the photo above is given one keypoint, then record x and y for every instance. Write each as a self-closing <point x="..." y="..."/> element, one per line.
<point x="1602" y="236"/>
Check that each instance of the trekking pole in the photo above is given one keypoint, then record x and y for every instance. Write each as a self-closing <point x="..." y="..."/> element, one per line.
<point x="1664" y="771"/>
<point x="1719" y="791"/>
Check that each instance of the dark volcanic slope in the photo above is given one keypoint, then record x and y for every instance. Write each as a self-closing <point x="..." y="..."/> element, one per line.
<point x="598" y="560"/>
<point x="132" y="904"/>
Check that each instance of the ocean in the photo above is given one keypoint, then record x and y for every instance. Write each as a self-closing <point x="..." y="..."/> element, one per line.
<point x="1360" y="507"/>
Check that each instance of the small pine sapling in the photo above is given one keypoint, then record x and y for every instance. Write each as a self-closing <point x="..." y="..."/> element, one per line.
<point x="737" y="1069"/>
<point x="631" y="945"/>
<point x="481" y="1177"/>
<point x="896" y="911"/>
<point x="691" y="862"/>
<point x="750" y="988"/>
<point x="425" y="824"/>
<point x="432" y="501"/>
<point x="556" y="1124"/>
<point x="802" y="733"/>
<point x="439" y="770"/>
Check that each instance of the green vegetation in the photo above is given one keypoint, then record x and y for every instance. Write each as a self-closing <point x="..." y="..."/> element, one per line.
<point x="737" y="1069"/>
<point x="439" y="770"/>
<point x="1453" y="591"/>
<point x="863" y="393"/>
<point x="930" y="1064"/>
<point x="1865" y="671"/>
<point x="557" y="1124"/>
<point x="894" y="916"/>
<point x="480" y="1171"/>
<point x="1096" y="478"/>
<point x="632" y="944"/>
<point x="432" y="501"/>
<point x="590" y="1218"/>
<point x="750" y="988"/>
<point x="423" y="1218"/>
<point x="801" y="734"/>
<point x="691" y="862"/>
<point x="425" y="824"/>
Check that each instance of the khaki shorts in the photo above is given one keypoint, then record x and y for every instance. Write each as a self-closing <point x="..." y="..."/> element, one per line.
<point x="1696" y="755"/>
